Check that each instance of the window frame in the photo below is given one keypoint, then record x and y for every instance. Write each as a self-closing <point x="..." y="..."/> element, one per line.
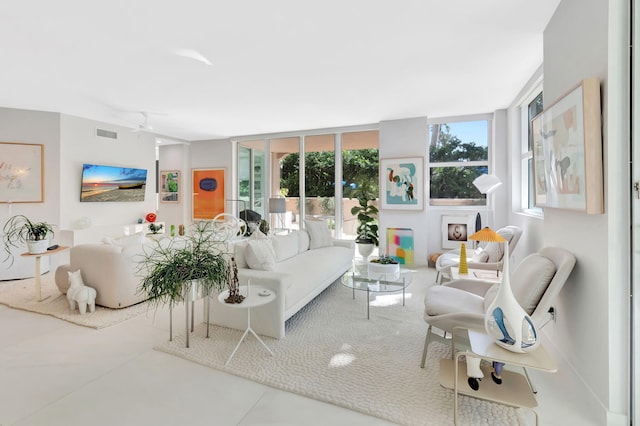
<point x="453" y="204"/>
<point x="525" y="148"/>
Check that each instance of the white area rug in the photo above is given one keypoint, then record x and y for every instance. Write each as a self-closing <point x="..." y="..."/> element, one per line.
<point x="332" y="353"/>
<point x="21" y="294"/>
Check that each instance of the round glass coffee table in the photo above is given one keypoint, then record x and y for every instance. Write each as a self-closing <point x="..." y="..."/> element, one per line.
<point x="358" y="278"/>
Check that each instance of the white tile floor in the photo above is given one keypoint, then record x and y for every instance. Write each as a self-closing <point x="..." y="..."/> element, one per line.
<point x="56" y="373"/>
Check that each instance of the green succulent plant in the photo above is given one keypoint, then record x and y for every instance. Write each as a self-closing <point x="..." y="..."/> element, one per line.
<point x="19" y="229"/>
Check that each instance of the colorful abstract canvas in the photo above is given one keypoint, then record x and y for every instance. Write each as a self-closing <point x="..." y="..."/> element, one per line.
<point x="400" y="245"/>
<point x="208" y="193"/>
<point x="402" y="183"/>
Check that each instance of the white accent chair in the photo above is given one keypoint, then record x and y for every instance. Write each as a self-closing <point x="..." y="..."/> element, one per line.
<point x="535" y="283"/>
<point x="486" y="256"/>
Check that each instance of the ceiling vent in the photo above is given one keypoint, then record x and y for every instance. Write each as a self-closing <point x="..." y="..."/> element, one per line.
<point x="107" y="134"/>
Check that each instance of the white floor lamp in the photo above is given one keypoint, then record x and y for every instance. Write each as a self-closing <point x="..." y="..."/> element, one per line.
<point x="487" y="184"/>
<point x="278" y="206"/>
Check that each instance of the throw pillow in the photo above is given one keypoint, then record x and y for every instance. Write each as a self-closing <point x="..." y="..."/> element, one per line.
<point x="259" y="254"/>
<point x="319" y="234"/>
<point x="480" y="256"/>
<point x="285" y="246"/>
<point x="530" y="280"/>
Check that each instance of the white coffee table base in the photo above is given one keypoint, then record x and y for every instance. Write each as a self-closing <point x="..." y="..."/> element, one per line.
<point x="252" y="299"/>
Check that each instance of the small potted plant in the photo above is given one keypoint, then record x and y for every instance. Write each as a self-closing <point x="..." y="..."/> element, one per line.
<point x="385" y="266"/>
<point x="366" y="212"/>
<point x="19" y="229"/>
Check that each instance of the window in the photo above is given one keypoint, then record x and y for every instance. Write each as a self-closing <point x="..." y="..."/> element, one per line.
<point x="458" y="153"/>
<point x="532" y="106"/>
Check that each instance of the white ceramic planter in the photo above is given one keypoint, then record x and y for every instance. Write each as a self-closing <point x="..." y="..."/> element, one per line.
<point x="37" y="247"/>
<point x="382" y="271"/>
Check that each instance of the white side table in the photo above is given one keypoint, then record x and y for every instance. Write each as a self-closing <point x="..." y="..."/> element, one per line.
<point x="477" y="274"/>
<point x="38" y="273"/>
<point x="514" y="390"/>
<point x="255" y="295"/>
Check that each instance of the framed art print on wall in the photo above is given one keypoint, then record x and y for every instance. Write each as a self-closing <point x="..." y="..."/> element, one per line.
<point x="402" y="183"/>
<point x="21" y="172"/>
<point x="208" y="193"/>
<point x="567" y="151"/>
<point x="457" y="229"/>
<point x="170" y="186"/>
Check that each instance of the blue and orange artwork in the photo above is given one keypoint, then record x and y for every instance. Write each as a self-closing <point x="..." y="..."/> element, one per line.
<point x="400" y="184"/>
<point x="400" y="245"/>
<point x="208" y="193"/>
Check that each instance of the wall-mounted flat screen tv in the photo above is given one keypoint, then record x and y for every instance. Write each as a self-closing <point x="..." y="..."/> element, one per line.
<point x="110" y="183"/>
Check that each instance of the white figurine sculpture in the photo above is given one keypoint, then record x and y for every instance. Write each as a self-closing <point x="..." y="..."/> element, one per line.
<point x="81" y="294"/>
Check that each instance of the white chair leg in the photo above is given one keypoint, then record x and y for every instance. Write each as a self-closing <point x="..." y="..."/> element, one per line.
<point x="426" y="347"/>
<point x="531" y="385"/>
<point x="438" y="277"/>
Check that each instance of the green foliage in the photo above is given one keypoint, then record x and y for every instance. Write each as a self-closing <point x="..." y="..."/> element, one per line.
<point x="366" y="212"/>
<point x="357" y="165"/>
<point x="385" y="260"/>
<point x="19" y="229"/>
<point x="172" y="185"/>
<point x="168" y="269"/>
<point x="455" y="182"/>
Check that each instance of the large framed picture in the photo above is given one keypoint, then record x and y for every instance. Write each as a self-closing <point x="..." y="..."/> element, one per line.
<point x="402" y="183"/>
<point x="208" y="193"/>
<point x="21" y="173"/>
<point x="567" y="151"/>
<point x="457" y="229"/>
<point x="170" y="186"/>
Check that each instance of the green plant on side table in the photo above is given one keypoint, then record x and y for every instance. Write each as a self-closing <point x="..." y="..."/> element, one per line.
<point x="181" y="269"/>
<point x="19" y="229"/>
<point x="385" y="260"/>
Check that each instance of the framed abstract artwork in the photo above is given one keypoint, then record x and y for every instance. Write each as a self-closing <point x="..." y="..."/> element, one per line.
<point x="170" y="181"/>
<point x="457" y="229"/>
<point x="567" y="151"/>
<point x="21" y="173"/>
<point x="400" y="245"/>
<point x="208" y="193"/>
<point x="402" y="183"/>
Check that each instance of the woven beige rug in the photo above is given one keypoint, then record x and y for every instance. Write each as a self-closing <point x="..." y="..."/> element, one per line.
<point x="332" y="353"/>
<point x="21" y="294"/>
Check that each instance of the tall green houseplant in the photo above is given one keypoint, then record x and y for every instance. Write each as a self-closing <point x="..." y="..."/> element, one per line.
<point x="366" y="213"/>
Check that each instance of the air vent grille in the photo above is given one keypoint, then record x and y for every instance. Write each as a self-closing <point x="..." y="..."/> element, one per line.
<point x="107" y="134"/>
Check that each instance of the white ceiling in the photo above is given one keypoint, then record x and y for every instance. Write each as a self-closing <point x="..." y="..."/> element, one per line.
<point x="276" y="65"/>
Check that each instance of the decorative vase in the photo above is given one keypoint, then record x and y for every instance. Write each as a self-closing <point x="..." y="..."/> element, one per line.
<point x="463" y="268"/>
<point x="506" y="321"/>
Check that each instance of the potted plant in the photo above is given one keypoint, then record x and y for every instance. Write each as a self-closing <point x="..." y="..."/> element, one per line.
<point x="19" y="229"/>
<point x="384" y="266"/>
<point x="176" y="269"/>
<point x="184" y="269"/>
<point x="366" y="212"/>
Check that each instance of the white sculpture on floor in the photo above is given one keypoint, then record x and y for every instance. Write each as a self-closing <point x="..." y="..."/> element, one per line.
<point x="80" y="294"/>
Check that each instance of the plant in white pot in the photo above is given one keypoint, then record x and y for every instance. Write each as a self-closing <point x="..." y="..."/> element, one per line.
<point x="366" y="212"/>
<point x="19" y="230"/>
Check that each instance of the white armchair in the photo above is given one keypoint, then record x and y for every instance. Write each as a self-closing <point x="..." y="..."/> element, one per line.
<point x="486" y="256"/>
<point x="535" y="283"/>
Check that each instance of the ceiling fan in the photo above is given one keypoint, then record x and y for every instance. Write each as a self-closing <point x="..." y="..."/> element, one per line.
<point x="144" y="126"/>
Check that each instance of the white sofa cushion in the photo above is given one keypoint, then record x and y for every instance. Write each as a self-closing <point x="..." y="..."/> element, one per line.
<point x="303" y="240"/>
<point x="285" y="246"/>
<point x="260" y="255"/>
<point x="239" y="249"/>
<point x="319" y="233"/>
<point x="441" y="299"/>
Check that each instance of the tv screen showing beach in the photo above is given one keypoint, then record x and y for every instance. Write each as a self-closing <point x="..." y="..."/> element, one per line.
<point x="109" y="183"/>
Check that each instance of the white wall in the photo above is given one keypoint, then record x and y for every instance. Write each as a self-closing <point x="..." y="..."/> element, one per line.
<point x="176" y="157"/>
<point x="33" y="127"/>
<point x="398" y="139"/>
<point x="593" y="315"/>
<point x="78" y="145"/>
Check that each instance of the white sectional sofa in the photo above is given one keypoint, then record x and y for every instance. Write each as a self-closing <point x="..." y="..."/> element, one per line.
<point x="306" y="263"/>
